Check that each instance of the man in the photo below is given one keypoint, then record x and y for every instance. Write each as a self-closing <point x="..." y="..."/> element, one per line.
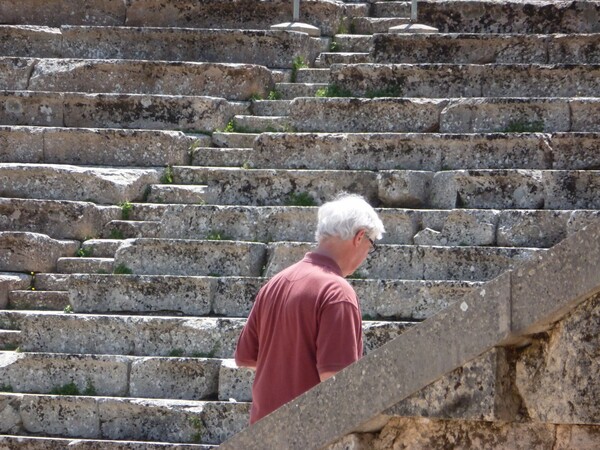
<point x="306" y="324"/>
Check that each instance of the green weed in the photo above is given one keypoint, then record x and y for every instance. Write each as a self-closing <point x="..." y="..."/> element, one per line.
<point x="301" y="199"/>
<point x="297" y="64"/>
<point x="67" y="389"/>
<point x="333" y="90"/>
<point x="122" y="269"/>
<point x="167" y="176"/>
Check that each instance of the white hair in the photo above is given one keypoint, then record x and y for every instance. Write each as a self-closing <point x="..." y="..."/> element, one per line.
<point x="347" y="215"/>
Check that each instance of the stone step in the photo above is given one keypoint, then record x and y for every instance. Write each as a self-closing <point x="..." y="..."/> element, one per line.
<point x="124" y="419"/>
<point x="231" y="81"/>
<point x="10" y="339"/>
<point x="443" y="80"/>
<point x="38" y="300"/>
<point x="353" y="43"/>
<point x="117" y="111"/>
<point x="44" y="331"/>
<point x="172" y="377"/>
<point x="101" y="248"/>
<point x="259" y="124"/>
<point x="462" y="48"/>
<point x="48" y="443"/>
<point x="175" y="193"/>
<point x="271" y="107"/>
<point x="123" y="229"/>
<point x="372" y="25"/>
<point x="470" y="115"/>
<point x="191" y="257"/>
<point x="457" y="227"/>
<point x="526" y="189"/>
<point x="391" y="9"/>
<point x="327" y="59"/>
<point x="106" y="185"/>
<point x="233" y="140"/>
<point x="293" y="90"/>
<point x="234" y="296"/>
<point x="275" y="49"/>
<point x="85" y="146"/>
<point x="32" y="252"/>
<point x="418" y="262"/>
<point x="312" y="76"/>
<point x="51" y="281"/>
<point x="426" y="151"/>
<point x="85" y="265"/>
<point x="221" y="157"/>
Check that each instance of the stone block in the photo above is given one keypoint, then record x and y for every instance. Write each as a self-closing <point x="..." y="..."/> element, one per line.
<point x="141" y="293"/>
<point x="174" y="378"/>
<point x="235" y="382"/>
<point x="404" y="188"/>
<point x="234" y="297"/>
<point x="400" y="225"/>
<point x="572" y="189"/>
<point x="573" y="49"/>
<point x="477" y="115"/>
<point x="64" y="182"/>
<point x="499" y="189"/>
<point x="378" y="333"/>
<point x="230" y="81"/>
<point x="42" y="373"/>
<point x="40" y="12"/>
<point x="191" y="258"/>
<point x="32" y="252"/>
<point x="21" y="144"/>
<point x="158" y="112"/>
<point x="10" y="282"/>
<point x="541" y="228"/>
<point x="59" y="219"/>
<point x="85" y="265"/>
<point x="575" y="151"/>
<point x="580" y="219"/>
<point x="15" y="72"/>
<point x="363" y="115"/>
<point x="584" y="114"/>
<point x="10" y="415"/>
<point x="31" y="108"/>
<point x="27" y="40"/>
<point x="459" y="227"/>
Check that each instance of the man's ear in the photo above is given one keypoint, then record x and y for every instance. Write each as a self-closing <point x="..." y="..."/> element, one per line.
<point x="358" y="237"/>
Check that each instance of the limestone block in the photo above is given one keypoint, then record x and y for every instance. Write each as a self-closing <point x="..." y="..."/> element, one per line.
<point x="21" y="144"/>
<point x="31" y="108"/>
<point x="117" y="147"/>
<point x="500" y="189"/>
<point x="363" y="115"/>
<point x="191" y="258"/>
<point x="141" y="293"/>
<point x="580" y="219"/>
<point x="40" y="12"/>
<point x="27" y="40"/>
<point x="177" y="378"/>
<point x="234" y="297"/>
<point x="404" y="188"/>
<point x="10" y="282"/>
<point x="235" y="382"/>
<point x="376" y="333"/>
<point x="85" y="265"/>
<point x="373" y="151"/>
<point x="518" y="228"/>
<point x="124" y="335"/>
<point x="61" y="416"/>
<point x="576" y="189"/>
<point x="10" y="417"/>
<point x="585" y="114"/>
<point x="32" y="252"/>
<point x="423" y="433"/>
<point x="265" y="48"/>
<point x="146" y="111"/>
<point x="575" y="151"/>
<point x="407" y="299"/>
<point x="459" y="48"/>
<point x="400" y="225"/>
<point x="176" y="193"/>
<point x="557" y="376"/>
<point x="288" y="223"/>
<point x="477" y="115"/>
<point x="580" y="437"/>
<point x="355" y="441"/>
<point x="41" y="373"/>
<point x="65" y="182"/>
<point x="246" y="14"/>
<point x="14" y="73"/>
<point x="459" y="227"/>
<point x="59" y="219"/>
<point x="573" y="49"/>
<point x="262" y="187"/>
<point x="231" y="81"/>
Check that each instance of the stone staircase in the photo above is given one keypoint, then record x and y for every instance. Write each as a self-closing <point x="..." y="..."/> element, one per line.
<point x="160" y="160"/>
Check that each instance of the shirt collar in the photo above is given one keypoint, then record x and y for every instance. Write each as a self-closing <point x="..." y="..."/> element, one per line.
<point x="324" y="261"/>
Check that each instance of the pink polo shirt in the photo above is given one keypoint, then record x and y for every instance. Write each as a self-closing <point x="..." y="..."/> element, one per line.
<point x="306" y="320"/>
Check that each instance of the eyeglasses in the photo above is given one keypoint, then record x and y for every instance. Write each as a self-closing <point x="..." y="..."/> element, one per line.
<point x="373" y="248"/>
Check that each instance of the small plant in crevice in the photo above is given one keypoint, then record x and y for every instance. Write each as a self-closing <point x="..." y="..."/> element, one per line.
<point x="122" y="269"/>
<point x="176" y="353"/>
<point x="192" y="150"/>
<point x="523" y="126"/>
<point x="66" y="389"/>
<point x="6" y="388"/>
<point x="255" y="97"/>
<point x="275" y="95"/>
<point x="217" y="236"/>
<point x="167" y="176"/>
<point x="300" y="199"/>
<point x="198" y="426"/>
<point x="84" y="252"/>
<point x="68" y="309"/>
<point x="115" y="233"/>
<point x="90" y="389"/>
<point x="334" y="46"/>
<point x="333" y="90"/>
<point x="32" y="282"/>
<point x="297" y="64"/>
<point x="126" y="208"/>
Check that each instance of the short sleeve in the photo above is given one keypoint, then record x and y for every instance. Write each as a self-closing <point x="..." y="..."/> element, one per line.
<point x="246" y="351"/>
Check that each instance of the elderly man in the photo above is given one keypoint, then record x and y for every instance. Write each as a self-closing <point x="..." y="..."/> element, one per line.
<point x="306" y="324"/>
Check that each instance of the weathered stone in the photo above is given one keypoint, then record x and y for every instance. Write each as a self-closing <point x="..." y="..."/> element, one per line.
<point x="187" y="257"/>
<point x="9" y="282"/>
<point x="31" y="108"/>
<point x="32" y="252"/>
<point x="378" y="333"/>
<point x="230" y="81"/>
<point x="64" y="182"/>
<point x="39" y="12"/>
<point x="27" y="40"/>
<point x="101" y="248"/>
<point x="42" y="373"/>
<point x="518" y="228"/>
<point x="85" y="265"/>
<point x="176" y="378"/>
<point x="580" y="437"/>
<point x="15" y="72"/>
<point x="460" y="227"/>
<point x="234" y="297"/>
<point x="406" y="188"/>
<point x="573" y="189"/>
<point x="10" y="415"/>
<point x="573" y="49"/>
<point x="580" y="219"/>
<point x="38" y="443"/>
<point x="19" y="144"/>
<point x="584" y="113"/>
<point x="141" y="293"/>
<point x="575" y="151"/>
<point x="176" y="193"/>
<point x="38" y="300"/>
<point x="363" y="115"/>
<point x="59" y="219"/>
<point x="235" y="382"/>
